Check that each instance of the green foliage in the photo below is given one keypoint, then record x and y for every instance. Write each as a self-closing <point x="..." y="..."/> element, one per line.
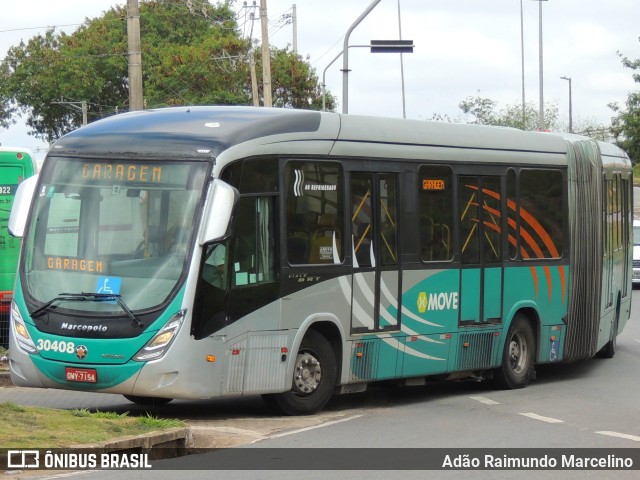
<point x="485" y="111"/>
<point x="294" y="82"/>
<point x="192" y="53"/>
<point x="625" y="127"/>
<point x="149" y="422"/>
<point x="83" y="412"/>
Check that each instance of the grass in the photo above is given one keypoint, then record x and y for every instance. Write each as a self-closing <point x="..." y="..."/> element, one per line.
<point x="35" y="427"/>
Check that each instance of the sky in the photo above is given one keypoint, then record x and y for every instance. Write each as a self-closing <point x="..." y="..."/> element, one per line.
<point x="463" y="48"/>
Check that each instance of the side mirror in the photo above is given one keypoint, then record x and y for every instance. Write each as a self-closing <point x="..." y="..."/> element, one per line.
<point x="221" y="204"/>
<point x="21" y="205"/>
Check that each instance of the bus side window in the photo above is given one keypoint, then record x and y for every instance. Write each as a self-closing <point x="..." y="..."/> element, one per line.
<point x="214" y="267"/>
<point x="436" y="214"/>
<point x="314" y="213"/>
<point x="253" y="249"/>
<point x="322" y="240"/>
<point x="541" y="213"/>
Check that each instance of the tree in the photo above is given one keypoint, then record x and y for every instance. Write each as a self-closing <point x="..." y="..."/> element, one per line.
<point x="625" y="126"/>
<point x="294" y="82"/>
<point x="7" y="109"/>
<point x="193" y="53"/>
<point x="485" y="111"/>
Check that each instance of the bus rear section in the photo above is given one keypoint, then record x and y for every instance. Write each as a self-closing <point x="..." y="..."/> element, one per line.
<point x="16" y="164"/>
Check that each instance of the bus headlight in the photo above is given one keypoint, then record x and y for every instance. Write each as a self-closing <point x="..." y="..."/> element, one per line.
<point x="20" y="331"/>
<point x="161" y="341"/>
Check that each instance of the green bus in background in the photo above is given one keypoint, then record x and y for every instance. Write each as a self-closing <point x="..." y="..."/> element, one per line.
<point x="16" y="164"/>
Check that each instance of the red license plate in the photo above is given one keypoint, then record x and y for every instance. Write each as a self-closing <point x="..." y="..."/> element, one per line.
<point x="86" y="375"/>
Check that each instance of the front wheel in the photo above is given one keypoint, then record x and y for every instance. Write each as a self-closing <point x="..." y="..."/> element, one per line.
<point x="517" y="367"/>
<point x="314" y="377"/>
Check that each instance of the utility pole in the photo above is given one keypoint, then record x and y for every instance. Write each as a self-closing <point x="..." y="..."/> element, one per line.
<point x="266" y="55"/>
<point x="252" y="62"/>
<point x="254" y="79"/>
<point x="136" y="99"/>
<point x="294" y="21"/>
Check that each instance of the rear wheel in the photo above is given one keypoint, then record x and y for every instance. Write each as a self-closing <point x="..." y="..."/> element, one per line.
<point x="517" y="367"/>
<point x="147" y="401"/>
<point x="314" y="378"/>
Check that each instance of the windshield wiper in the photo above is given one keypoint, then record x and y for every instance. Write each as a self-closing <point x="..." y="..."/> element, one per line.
<point x="88" y="297"/>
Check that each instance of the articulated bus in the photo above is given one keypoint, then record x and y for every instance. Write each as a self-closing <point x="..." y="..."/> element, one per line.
<point x="16" y="164"/>
<point x="207" y="252"/>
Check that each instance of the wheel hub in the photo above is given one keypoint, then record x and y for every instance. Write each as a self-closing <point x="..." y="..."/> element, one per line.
<point x="308" y="373"/>
<point x="517" y="354"/>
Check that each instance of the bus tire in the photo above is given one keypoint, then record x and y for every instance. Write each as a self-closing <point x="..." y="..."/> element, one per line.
<point x="147" y="401"/>
<point x="517" y="366"/>
<point x="314" y="379"/>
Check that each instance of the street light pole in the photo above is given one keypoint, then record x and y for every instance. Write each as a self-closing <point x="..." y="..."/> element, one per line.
<point x="376" y="46"/>
<point x="541" y="124"/>
<point x="404" y="104"/>
<point x="524" y="107"/>
<point x="570" y="105"/>
<point x="345" y="56"/>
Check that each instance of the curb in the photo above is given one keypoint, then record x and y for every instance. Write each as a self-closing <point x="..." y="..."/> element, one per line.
<point x="170" y="443"/>
<point x="5" y="379"/>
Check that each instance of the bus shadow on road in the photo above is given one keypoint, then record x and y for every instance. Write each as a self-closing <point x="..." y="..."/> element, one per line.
<point x="377" y="395"/>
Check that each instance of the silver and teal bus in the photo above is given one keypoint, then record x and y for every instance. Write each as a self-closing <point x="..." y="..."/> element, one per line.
<point x="16" y="164"/>
<point x="207" y="252"/>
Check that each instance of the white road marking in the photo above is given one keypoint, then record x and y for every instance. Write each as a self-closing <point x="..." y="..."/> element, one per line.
<point x="306" y="429"/>
<point x="535" y="416"/>
<point x="621" y="435"/>
<point x="485" y="400"/>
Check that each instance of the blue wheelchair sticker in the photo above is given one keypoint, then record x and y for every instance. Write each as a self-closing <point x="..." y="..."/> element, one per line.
<point x="553" y="352"/>
<point x="109" y="285"/>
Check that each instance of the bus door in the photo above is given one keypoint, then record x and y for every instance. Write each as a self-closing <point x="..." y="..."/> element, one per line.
<point x="374" y="234"/>
<point x="480" y="249"/>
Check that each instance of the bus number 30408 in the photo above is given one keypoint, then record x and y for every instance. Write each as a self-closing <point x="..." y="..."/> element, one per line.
<point x="56" y="346"/>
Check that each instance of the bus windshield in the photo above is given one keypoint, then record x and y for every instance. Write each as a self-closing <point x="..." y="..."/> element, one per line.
<point x="118" y="227"/>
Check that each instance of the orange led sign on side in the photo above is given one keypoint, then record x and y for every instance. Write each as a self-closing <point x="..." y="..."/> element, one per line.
<point x="433" y="184"/>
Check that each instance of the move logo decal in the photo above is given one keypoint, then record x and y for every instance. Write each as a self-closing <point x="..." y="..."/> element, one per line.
<point x="422" y="302"/>
<point x="437" y="301"/>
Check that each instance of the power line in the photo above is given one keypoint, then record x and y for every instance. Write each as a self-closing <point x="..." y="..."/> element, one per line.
<point x="40" y="28"/>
